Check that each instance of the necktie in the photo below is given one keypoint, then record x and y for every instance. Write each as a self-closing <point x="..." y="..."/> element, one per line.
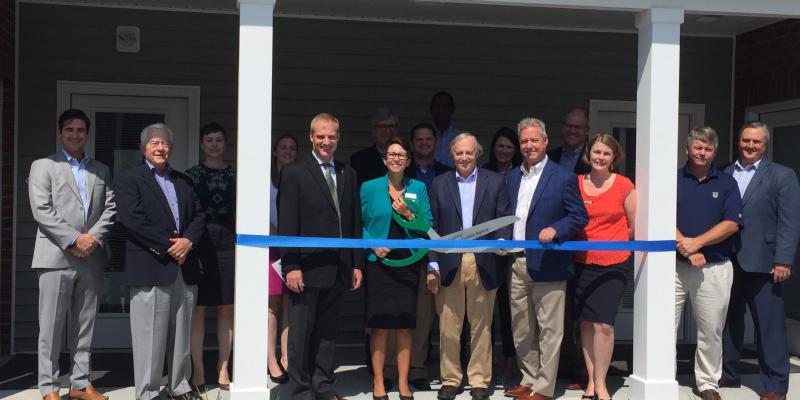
<point x="332" y="188"/>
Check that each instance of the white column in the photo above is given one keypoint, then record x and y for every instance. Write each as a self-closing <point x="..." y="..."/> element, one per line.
<point x="657" y="104"/>
<point x="254" y="139"/>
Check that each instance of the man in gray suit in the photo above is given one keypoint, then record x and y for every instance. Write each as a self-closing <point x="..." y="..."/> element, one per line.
<point x="764" y="257"/>
<point x="73" y="204"/>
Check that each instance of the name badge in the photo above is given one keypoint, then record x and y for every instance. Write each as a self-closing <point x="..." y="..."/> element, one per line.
<point x="412" y="196"/>
<point x="587" y="202"/>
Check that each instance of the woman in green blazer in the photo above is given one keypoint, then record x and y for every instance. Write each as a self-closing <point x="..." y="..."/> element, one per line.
<point x="391" y="292"/>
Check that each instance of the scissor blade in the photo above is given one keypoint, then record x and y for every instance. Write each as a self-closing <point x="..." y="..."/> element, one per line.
<point x="474" y="232"/>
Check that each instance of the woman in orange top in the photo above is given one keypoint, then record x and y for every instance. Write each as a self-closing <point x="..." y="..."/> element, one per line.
<point x="610" y="200"/>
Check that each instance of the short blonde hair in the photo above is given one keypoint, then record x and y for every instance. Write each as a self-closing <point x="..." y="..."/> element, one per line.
<point x="326" y="118"/>
<point x="705" y="134"/>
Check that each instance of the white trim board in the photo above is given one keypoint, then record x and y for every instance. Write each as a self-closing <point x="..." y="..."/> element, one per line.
<point x="65" y="89"/>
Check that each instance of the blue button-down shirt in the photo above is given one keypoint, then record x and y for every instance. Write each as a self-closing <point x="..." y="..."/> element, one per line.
<point x="466" y="190"/>
<point x="442" y="151"/>
<point x="165" y="181"/>
<point x="704" y="204"/>
<point x="744" y="175"/>
<point x="426" y="176"/>
<point x="79" y="172"/>
<point x="324" y="166"/>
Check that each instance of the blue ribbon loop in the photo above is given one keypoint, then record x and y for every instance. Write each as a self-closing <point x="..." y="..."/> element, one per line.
<point x="343" y="243"/>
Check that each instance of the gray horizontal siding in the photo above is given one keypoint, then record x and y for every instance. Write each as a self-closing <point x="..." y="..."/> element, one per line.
<point x="347" y="68"/>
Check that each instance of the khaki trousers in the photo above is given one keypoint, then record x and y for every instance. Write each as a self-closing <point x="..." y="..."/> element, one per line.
<point x="708" y="289"/>
<point x="466" y="296"/>
<point x="537" y="315"/>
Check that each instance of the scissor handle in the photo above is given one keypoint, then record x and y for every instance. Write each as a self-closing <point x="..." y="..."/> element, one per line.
<point x="418" y="224"/>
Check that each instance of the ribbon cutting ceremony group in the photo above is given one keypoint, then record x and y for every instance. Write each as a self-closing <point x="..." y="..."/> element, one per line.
<point x="537" y="241"/>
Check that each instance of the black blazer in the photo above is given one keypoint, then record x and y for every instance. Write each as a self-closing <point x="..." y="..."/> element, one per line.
<point x="305" y="208"/>
<point x="143" y="209"/>
<point x="368" y="164"/>
<point x="491" y="201"/>
<point x="555" y="156"/>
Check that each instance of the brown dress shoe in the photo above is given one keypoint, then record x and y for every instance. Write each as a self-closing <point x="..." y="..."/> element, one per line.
<point x="51" y="396"/>
<point x="516" y="391"/>
<point x="772" y="396"/>
<point x="534" y="396"/>
<point x="578" y="383"/>
<point x="88" y="393"/>
<point x="710" y="394"/>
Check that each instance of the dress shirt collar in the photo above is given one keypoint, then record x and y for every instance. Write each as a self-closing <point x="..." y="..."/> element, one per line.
<point x="536" y="169"/>
<point x="739" y="167"/>
<point x="470" y="178"/>
<point x="69" y="158"/>
<point x="323" y="163"/>
<point x="153" y="169"/>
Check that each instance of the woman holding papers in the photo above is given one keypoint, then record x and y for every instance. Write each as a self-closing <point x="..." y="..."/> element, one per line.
<point x="283" y="152"/>
<point x="391" y="292"/>
<point x="610" y="200"/>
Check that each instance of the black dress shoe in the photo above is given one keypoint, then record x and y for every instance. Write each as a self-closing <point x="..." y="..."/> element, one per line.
<point x="421" y="384"/>
<point x="447" y="392"/>
<point x="384" y="397"/>
<point x="479" y="394"/>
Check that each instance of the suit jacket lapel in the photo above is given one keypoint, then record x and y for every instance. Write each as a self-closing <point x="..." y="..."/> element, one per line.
<point x="540" y="186"/>
<point x="758" y="177"/>
<point x="91" y="177"/>
<point x="150" y="181"/>
<point x="454" y="194"/>
<point x="315" y="170"/>
<point x="66" y="169"/>
<point x="480" y="191"/>
<point x="340" y="180"/>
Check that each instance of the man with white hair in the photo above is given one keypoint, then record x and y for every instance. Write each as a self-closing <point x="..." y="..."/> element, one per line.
<point x="157" y="206"/>
<point x="469" y="281"/>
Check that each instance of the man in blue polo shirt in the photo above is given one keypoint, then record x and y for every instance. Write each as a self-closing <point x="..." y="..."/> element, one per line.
<point x="709" y="213"/>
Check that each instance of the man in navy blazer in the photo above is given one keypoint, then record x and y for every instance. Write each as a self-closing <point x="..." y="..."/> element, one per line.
<point x="770" y="198"/>
<point x="545" y="196"/>
<point x="459" y="200"/>
<point x="157" y="206"/>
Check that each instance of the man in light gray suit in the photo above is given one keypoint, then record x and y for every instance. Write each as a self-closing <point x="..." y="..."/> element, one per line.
<point x="763" y="260"/>
<point x="73" y="204"/>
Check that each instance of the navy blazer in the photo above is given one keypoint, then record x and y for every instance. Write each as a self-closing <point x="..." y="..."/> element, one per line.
<point x="555" y="156"/>
<point x="771" y="218"/>
<point x="490" y="202"/>
<point x="143" y="209"/>
<point x="556" y="203"/>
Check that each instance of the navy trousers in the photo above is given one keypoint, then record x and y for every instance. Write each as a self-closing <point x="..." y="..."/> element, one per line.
<point x="758" y="292"/>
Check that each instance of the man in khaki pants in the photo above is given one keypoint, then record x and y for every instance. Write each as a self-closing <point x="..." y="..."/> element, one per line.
<point x="459" y="200"/>
<point x="708" y="214"/>
<point x="546" y="198"/>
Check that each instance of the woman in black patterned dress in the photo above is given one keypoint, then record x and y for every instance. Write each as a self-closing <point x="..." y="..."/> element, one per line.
<point x="215" y="186"/>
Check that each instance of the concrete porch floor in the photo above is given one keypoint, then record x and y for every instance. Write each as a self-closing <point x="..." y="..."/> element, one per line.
<point x="354" y="381"/>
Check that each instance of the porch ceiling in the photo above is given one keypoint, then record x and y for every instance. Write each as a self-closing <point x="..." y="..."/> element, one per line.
<point x="490" y="13"/>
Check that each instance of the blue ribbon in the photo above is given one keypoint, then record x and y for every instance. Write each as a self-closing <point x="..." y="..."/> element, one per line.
<point x="319" y="242"/>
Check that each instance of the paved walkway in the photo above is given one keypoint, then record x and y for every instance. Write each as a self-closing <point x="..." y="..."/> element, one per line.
<point x="353" y="382"/>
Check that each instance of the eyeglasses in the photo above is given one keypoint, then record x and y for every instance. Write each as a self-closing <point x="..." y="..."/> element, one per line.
<point x="385" y="126"/>
<point x="396" y="156"/>
<point x="156" y="142"/>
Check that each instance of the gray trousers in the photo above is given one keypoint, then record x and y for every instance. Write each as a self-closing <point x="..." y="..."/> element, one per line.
<point x="161" y="320"/>
<point x="66" y="297"/>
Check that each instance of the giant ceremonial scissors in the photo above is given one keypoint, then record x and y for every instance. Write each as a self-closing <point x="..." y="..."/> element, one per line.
<point x="419" y="226"/>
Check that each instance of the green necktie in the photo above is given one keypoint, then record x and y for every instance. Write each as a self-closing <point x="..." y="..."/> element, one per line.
<point x="332" y="188"/>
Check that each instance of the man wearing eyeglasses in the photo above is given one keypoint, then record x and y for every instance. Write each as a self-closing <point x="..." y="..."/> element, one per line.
<point x="157" y="206"/>
<point x="368" y="162"/>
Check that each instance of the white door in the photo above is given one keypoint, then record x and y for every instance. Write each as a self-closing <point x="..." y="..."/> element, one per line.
<point x="619" y="119"/>
<point x="117" y="121"/>
<point x="784" y="121"/>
